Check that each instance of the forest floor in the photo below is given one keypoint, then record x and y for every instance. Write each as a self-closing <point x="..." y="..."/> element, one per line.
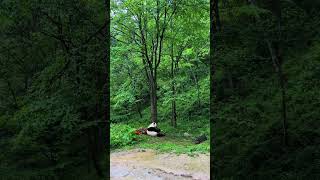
<point x="172" y="144"/>
<point x="155" y="165"/>
<point x="174" y="156"/>
<point x="175" y="139"/>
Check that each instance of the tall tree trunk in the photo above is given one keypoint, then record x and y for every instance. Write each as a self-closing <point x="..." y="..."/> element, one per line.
<point x="106" y="91"/>
<point x="151" y="59"/>
<point x="173" y="88"/>
<point x="214" y="27"/>
<point x="278" y="61"/>
<point x="153" y="98"/>
<point x="217" y="15"/>
<point x="195" y="78"/>
<point x="284" y="107"/>
<point x="106" y="62"/>
<point x="139" y="109"/>
<point x="198" y="91"/>
<point x="93" y="152"/>
<point x="174" y="109"/>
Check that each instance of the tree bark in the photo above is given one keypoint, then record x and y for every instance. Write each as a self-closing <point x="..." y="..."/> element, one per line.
<point x="173" y="88"/>
<point x="214" y="27"/>
<point x="94" y="152"/>
<point x="284" y="107"/>
<point x="151" y="59"/>
<point x="106" y="62"/>
<point x="278" y="61"/>
<point x="196" y="81"/>
<point x="139" y="110"/>
<point x="153" y="97"/>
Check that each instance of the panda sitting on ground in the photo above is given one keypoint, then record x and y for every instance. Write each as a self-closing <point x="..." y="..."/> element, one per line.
<point x="152" y="130"/>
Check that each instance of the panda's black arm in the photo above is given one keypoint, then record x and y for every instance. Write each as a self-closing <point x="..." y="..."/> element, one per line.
<point x="154" y="129"/>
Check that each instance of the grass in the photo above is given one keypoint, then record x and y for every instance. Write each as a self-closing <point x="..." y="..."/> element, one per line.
<point x="174" y="141"/>
<point x="174" y="145"/>
<point x="169" y="144"/>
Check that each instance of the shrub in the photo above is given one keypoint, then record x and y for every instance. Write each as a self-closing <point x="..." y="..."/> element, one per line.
<point x="121" y="135"/>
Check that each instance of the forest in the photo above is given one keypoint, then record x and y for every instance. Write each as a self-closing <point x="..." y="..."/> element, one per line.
<point x="243" y="73"/>
<point x="53" y="89"/>
<point x="265" y="81"/>
<point x="159" y="72"/>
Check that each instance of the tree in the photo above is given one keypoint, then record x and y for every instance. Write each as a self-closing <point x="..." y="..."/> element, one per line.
<point x="277" y="60"/>
<point x="152" y="60"/>
<point x="214" y="28"/>
<point x="53" y="60"/>
<point x="183" y="66"/>
<point x="151" y="28"/>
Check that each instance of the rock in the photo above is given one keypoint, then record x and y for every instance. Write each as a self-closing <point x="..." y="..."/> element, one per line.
<point x="186" y="134"/>
<point x="200" y="139"/>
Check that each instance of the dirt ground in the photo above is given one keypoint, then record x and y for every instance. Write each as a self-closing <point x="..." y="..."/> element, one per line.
<point x="148" y="165"/>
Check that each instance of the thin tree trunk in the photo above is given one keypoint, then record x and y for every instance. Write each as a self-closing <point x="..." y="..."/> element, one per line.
<point x="88" y="153"/>
<point x="153" y="97"/>
<point x="276" y="60"/>
<point x="214" y="26"/>
<point x="173" y="88"/>
<point x="93" y="152"/>
<point x="106" y="62"/>
<point x="12" y="93"/>
<point x="284" y="108"/>
<point x="26" y="82"/>
<point x="174" y="109"/>
<point x="197" y="87"/>
<point x="217" y="15"/>
<point x="198" y="91"/>
<point x="151" y="59"/>
<point x="139" y="108"/>
<point x="231" y="84"/>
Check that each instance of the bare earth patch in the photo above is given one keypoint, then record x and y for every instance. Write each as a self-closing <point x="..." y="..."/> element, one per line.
<point x="147" y="164"/>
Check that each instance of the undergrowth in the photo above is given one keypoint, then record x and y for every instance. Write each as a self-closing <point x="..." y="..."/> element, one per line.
<point x="177" y="140"/>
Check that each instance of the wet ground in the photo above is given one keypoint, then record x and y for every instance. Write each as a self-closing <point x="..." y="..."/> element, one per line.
<point x="149" y="165"/>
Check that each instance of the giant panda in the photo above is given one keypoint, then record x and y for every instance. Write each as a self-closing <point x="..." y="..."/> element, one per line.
<point x="152" y="130"/>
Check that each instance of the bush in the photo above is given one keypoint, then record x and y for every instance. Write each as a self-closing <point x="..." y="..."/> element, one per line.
<point x="121" y="135"/>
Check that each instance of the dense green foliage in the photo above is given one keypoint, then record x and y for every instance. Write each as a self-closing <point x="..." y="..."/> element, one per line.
<point x="175" y="140"/>
<point x="53" y="61"/>
<point x="184" y="64"/>
<point x="121" y="135"/>
<point x="248" y="131"/>
<point x="52" y="74"/>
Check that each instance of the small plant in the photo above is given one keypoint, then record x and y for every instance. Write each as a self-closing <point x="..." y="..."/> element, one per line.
<point x="121" y="135"/>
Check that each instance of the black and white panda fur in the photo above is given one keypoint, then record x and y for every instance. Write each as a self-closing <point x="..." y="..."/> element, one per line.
<point x="153" y="130"/>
